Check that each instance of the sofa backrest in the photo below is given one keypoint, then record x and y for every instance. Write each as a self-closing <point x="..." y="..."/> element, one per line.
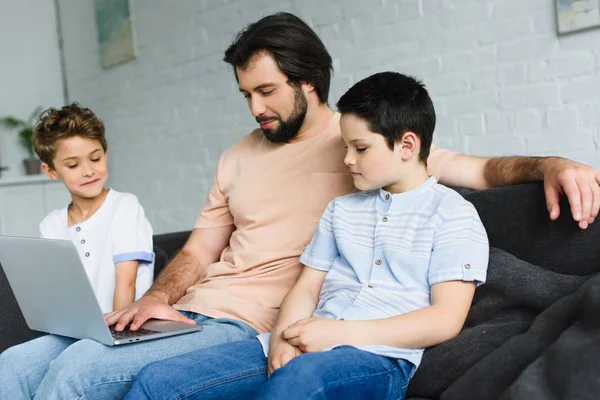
<point x="517" y="221"/>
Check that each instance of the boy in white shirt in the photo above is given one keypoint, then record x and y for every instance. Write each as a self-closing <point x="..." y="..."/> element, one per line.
<point x="108" y="228"/>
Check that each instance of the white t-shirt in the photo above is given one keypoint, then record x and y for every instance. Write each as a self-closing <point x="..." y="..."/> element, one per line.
<point x="118" y="231"/>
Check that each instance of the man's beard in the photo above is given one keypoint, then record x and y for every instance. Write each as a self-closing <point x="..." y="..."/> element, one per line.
<point x="289" y="128"/>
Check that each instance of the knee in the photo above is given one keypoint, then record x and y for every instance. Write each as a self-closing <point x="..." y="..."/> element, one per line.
<point x="79" y="360"/>
<point x="302" y="369"/>
<point x="148" y="383"/>
<point x="14" y="361"/>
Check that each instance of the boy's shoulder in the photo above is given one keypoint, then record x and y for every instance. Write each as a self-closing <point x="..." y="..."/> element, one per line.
<point x="124" y="200"/>
<point x="55" y="218"/>
<point x="449" y="200"/>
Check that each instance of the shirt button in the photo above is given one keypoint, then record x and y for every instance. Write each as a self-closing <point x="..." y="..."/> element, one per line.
<point x="387" y="196"/>
<point x="378" y="262"/>
<point x="370" y="286"/>
<point x="87" y="254"/>
<point x="82" y="241"/>
<point x="468" y="266"/>
<point x="78" y="229"/>
<point x="384" y="219"/>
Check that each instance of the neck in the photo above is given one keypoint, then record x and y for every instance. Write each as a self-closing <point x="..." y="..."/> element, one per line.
<point x="82" y="208"/>
<point x="315" y="121"/>
<point x="414" y="177"/>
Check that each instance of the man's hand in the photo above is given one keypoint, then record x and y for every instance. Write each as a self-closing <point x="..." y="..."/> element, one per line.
<point x="280" y="353"/>
<point x="149" y="306"/>
<point x="580" y="183"/>
<point x="315" y="334"/>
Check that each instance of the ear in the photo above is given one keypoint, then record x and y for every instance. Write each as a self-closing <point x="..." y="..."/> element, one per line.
<point x="409" y="145"/>
<point x="307" y="87"/>
<point x="50" y="172"/>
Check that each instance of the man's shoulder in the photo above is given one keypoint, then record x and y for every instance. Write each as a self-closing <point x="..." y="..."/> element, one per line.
<point x="245" y="143"/>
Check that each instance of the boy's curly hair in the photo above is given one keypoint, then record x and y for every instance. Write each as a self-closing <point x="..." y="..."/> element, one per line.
<point x="71" y="120"/>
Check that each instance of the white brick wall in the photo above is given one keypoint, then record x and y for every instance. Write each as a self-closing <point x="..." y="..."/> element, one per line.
<point x="502" y="82"/>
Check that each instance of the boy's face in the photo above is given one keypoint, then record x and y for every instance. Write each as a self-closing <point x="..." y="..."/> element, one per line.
<point x="81" y="164"/>
<point x="372" y="164"/>
<point x="279" y="108"/>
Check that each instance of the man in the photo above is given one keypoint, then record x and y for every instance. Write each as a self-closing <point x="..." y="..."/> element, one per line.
<point x="269" y="192"/>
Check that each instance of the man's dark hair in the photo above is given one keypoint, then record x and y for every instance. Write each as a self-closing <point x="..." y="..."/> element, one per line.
<point x="392" y="104"/>
<point x="295" y="47"/>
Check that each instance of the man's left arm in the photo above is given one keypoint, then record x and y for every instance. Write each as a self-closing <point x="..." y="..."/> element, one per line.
<point x="579" y="182"/>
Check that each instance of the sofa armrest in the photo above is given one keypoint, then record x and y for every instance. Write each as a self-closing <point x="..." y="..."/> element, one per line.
<point x="13" y="328"/>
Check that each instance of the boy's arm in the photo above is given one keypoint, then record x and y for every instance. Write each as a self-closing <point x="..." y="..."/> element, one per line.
<point x="443" y="320"/>
<point x="300" y="302"/>
<point x="203" y="248"/>
<point x="125" y="277"/>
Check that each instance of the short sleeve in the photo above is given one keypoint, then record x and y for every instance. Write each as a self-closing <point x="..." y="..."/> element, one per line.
<point x="460" y="248"/>
<point x="322" y="250"/>
<point x="438" y="160"/>
<point x="132" y="233"/>
<point x="216" y="211"/>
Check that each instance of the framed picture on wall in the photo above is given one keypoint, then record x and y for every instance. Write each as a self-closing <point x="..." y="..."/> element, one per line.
<point x="577" y="15"/>
<point x="116" y="35"/>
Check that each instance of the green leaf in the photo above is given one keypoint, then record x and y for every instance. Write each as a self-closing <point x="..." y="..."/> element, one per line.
<point x="25" y="137"/>
<point x="12" y="123"/>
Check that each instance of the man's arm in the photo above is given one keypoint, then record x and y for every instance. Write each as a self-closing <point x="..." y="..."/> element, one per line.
<point x="300" y="302"/>
<point x="579" y="182"/>
<point x="203" y="248"/>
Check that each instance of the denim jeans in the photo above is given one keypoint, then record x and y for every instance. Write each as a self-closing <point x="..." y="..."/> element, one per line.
<point x="239" y="371"/>
<point x="56" y="367"/>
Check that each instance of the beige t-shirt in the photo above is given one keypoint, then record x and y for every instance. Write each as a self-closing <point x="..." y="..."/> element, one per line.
<point x="274" y="194"/>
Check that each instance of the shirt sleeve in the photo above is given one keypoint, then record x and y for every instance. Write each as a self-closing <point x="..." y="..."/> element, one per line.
<point x="132" y="233"/>
<point x="216" y="211"/>
<point x="438" y="160"/>
<point x="460" y="248"/>
<point x="322" y="250"/>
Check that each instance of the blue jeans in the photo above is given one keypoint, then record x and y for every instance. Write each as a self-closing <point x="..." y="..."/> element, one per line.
<point x="239" y="371"/>
<point x="56" y="367"/>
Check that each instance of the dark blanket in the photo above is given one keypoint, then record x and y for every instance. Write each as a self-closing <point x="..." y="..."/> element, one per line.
<point x="534" y="330"/>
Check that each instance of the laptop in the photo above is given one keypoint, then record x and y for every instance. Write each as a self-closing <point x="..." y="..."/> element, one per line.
<point x="55" y="295"/>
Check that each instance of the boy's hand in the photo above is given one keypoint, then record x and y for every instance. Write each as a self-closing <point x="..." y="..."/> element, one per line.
<point x="280" y="353"/>
<point x="315" y="334"/>
<point x="142" y="310"/>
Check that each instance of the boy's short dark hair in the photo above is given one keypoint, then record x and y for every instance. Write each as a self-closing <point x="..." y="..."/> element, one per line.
<point x="71" y="120"/>
<point x="392" y="104"/>
<point x="295" y="47"/>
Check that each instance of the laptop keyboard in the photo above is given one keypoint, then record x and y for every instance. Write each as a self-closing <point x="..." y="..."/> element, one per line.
<point x="126" y="333"/>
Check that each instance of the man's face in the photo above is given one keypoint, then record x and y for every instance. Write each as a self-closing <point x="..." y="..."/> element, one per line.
<point x="279" y="108"/>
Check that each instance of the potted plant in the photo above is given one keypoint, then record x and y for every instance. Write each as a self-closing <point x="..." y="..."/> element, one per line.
<point x="25" y="128"/>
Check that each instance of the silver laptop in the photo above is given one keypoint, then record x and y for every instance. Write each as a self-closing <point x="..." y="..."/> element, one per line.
<point x="55" y="295"/>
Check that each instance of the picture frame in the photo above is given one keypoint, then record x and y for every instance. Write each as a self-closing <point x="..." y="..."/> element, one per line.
<point x="577" y="15"/>
<point x="116" y="34"/>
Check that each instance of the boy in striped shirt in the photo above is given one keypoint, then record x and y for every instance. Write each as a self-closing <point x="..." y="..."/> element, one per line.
<point x="390" y="271"/>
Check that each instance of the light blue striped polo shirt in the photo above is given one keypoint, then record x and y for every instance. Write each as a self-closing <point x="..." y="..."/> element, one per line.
<point x="384" y="251"/>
